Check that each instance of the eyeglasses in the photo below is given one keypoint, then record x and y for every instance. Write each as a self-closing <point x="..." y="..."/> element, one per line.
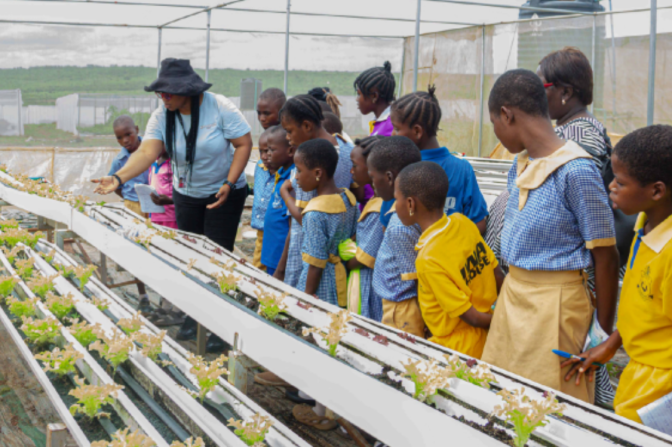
<point x="548" y="84"/>
<point x="165" y="96"/>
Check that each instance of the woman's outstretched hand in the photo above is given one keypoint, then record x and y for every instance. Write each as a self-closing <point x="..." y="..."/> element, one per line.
<point x="221" y="196"/>
<point x="106" y="185"/>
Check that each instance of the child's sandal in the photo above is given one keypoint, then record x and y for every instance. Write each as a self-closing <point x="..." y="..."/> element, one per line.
<point x="305" y="415"/>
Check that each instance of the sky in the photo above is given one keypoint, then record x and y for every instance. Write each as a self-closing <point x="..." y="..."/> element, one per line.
<point x="23" y="45"/>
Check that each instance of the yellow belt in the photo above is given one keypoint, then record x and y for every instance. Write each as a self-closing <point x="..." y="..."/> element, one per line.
<point x="341" y="280"/>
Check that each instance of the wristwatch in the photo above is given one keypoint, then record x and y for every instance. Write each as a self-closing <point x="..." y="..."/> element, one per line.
<point x="231" y="185"/>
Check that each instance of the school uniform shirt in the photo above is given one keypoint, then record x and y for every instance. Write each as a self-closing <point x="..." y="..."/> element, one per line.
<point x="161" y="178"/>
<point x="394" y="274"/>
<point x="219" y="122"/>
<point x="464" y="195"/>
<point x="385" y="214"/>
<point x="128" y="188"/>
<point x="369" y="237"/>
<point x="557" y="212"/>
<point x="264" y="183"/>
<point x="327" y="221"/>
<point x="645" y="320"/>
<point x="383" y="124"/>
<point x="455" y="272"/>
<point x="276" y="223"/>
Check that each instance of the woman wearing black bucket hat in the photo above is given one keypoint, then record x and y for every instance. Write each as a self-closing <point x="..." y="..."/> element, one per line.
<point x="209" y="144"/>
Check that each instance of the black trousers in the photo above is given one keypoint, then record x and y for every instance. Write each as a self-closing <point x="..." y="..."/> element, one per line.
<point x="219" y="225"/>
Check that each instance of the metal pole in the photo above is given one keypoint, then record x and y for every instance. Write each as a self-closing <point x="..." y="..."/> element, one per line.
<point x="613" y="69"/>
<point x="592" y="55"/>
<point x="401" y="73"/>
<point x="417" y="49"/>
<point x="158" y="57"/>
<point x="207" y="48"/>
<point x="480" y="116"/>
<point x="652" y="63"/>
<point x="289" y="14"/>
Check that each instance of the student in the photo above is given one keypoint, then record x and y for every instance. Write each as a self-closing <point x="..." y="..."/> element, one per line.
<point x="264" y="181"/>
<point x="269" y="104"/>
<point x="394" y="274"/>
<point x="301" y="117"/>
<point x="328" y="219"/>
<point x="456" y="269"/>
<point x="161" y="178"/>
<point x="369" y="233"/>
<point x="642" y="164"/>
<point x="375" y="92"/>
<point x="127" y="136"/>
<point x="332" y="123"/>
<point x="276" y="220"/>
<point x="417" y="116"/>
<point x="558" y="223"/>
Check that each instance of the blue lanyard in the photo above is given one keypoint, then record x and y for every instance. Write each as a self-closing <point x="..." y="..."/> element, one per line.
<point x="640" y="233"/>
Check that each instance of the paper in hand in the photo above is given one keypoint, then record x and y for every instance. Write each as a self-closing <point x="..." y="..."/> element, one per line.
<point x="144" y="192"/>
<point x="658" y="414"/>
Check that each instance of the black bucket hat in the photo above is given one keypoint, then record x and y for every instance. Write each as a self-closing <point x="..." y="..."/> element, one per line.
<point x="178" y="78"/>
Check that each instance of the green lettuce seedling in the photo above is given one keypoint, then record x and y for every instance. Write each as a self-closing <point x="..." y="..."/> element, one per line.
<point x="32" y="239"/>
<point x="152" y="345"/>
<point x="7" y="224"/>
<point x="190" y="442"/>
<point x="428" y="376"/>
<point x="207" y="373"/>
<point x="252" y="432"/>
<point x="24" y="267"/>
<point x="136" y="439"/>
<point x="41" y="332"/>
<point x="59" y="361"/>
<point x="49" y="256"/>
<point x="25" y="308"/>
<point x="42" y="285"/>
<point x="7" y="284"/>
<point x="333" y="333"/>
<point x="83" y="274"/>
<point x="13" y="236"/>
<point x="60" y="306"/>
<point x="114" y="349"/>
<point x="131" y="325"/>
<point x="11" y="254"/>
<point x="101" y="303"/>
<point x="526" y="414"/>
<point x="91" y="398"/>
<point x="271" y="305"/>
<point x="83" y="332"/>
<point x="473" y="372"/>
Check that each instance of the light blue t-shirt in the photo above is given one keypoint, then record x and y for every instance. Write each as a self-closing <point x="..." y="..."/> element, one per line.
<point x="219" y="121"/>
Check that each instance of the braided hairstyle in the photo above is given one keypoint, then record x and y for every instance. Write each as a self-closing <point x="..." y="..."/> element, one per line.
<point x="419" y="108"/>
<point x="367" y="143"/>
<point x="380" y="78"/>
<point x="302" y="108"/>
<point x="191" y="137"/>
<point x="327" y="100"/>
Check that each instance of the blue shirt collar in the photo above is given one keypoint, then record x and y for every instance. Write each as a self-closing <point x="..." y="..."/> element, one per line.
<point x="433" y="154"/>
<point x="284" y="173"/>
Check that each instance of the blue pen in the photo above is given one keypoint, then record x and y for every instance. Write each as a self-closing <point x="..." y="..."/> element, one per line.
<point x="567" y="355"/>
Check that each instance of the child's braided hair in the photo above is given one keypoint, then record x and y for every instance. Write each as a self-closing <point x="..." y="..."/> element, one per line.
<point x="327" y="100"/>
<point x="367" y="143"/>
<point x="302" y="108"/>
<point x="420" y="108"/>
<point x="380" y="78"/>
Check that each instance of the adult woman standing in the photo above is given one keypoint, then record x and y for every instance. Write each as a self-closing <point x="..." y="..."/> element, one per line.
<point x="209" y="143"/>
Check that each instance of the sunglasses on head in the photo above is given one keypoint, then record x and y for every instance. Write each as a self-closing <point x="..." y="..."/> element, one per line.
<point x="165" y="96"/>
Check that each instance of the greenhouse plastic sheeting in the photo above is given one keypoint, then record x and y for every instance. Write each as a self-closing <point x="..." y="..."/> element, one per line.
<point x="10" y="113"/>
<point x="70" y="168"/>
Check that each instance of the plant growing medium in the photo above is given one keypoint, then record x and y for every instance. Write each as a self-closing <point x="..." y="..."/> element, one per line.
<point x="24" y="268"/>
<point x="333" y="333"/>
<point x="7" y="284"/>
<point x="90" y="398"/>
<point x="207" y="373"/>
<point x="271" y="305"/>
<point x="83" y="332"/>
<point x="526" y="414"/>
<point x="83" y="274"/>
<point x="123" y="439"/>
<point x="25" y="308"/>
<point x="114" y="349"/>
<point x="60" y="361"/>
<point x="60" y="305"/>
<point x="252" y="432"/>
<point x="41" y="332"/>
<point x="42" y="285"/>
<point x="428" y="376"/>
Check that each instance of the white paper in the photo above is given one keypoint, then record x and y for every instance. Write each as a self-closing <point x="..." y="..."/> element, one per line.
<point x="144" y="192"/>
<point x="658" y="414"/>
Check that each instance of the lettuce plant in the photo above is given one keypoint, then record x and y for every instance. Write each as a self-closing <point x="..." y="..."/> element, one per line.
<point x="11" y="254"/>
<point x="90" y="398"/>
<point x="42" y="285"/>
<point x="61" y="305"/>
<point x="83" y="332"/>
<point x="83" y="274"/>
<point x="66" y="270"/>
<point x="253" y="431"/>
<point x="227" y="282"/>
<point x="271" y="305"/>
<point x="49" y="256"/>
<point x="136" y="439"/>
<point x="60" y="361"/>
<point x="7" y="224"/>
<point x="25" y="308"/>
<point x="526" y="414"/>
<point x="145" y="239"/>
<point x="32" y="239"/>
<point x="131" y="325"/>
<point x="7" y="284"/>
<point x="428" y="376"/>
<point x="41" y="332"/>
<point x="13" y="236"/>
<point x="170" y="234"/>
<point x="114" y="349"/>
<point x="151" y="344"/>
<point x="478" y="374"/>
<point x="333" y="333"/>
<point x="101" y="303"/>
<point x="24" y="267"/>
<point x="190" y="442"/>
<point x="207" y="373"/>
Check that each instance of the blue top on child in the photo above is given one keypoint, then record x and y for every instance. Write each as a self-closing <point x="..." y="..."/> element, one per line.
<point x="219" y="121"/>
<point x="128" y="188"/>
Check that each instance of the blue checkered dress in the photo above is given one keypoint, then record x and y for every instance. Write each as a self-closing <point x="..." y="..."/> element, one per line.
<point x="263" y="190"/>
<point x="567" y="211"/>
<point x="396" y="257"/>
<point x="294" y="262"/>
<point x="342" y="175"/>
<point x="369" y="238"/>
<point x="322" y="234"/>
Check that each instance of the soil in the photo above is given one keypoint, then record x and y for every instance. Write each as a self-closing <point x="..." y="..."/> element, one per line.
<point x="489" y="429"/>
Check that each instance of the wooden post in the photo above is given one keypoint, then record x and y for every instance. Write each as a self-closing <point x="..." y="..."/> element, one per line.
<point x="201" y="339"/>
<point x="57" y="435"/>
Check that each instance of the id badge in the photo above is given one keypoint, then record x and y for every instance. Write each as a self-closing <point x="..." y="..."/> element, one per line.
<point x="181" y="183"/>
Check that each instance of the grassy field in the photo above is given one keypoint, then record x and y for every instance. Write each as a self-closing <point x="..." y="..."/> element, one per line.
<point x="47" y="135"/>
<point x="42" y="85"/>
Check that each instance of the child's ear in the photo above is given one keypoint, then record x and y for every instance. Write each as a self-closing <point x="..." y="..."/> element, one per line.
<point x="319" y="173"/>
<point x="659" y="191"/>
<point x="390" y="178"/>
<point x="307" y="126"/>
<point x="418" y="132"/>
<point x="506" y="115"/>
<point x="412" y="205"/>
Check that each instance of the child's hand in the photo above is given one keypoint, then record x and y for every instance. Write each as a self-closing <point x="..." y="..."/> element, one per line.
<point x="286" y="189"/>
<point x="601" y="353"/>
<point x="161" y="199"/>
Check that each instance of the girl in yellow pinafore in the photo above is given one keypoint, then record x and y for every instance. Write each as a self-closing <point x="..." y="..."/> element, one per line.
<point x="642" y="164"/>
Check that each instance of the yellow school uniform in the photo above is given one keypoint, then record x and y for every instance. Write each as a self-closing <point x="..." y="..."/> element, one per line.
<point x="645" y="320"/>
<point x="455" y="272"/>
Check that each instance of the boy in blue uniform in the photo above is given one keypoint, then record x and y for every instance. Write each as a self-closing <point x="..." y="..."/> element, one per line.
<point x="264" y="180"/>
